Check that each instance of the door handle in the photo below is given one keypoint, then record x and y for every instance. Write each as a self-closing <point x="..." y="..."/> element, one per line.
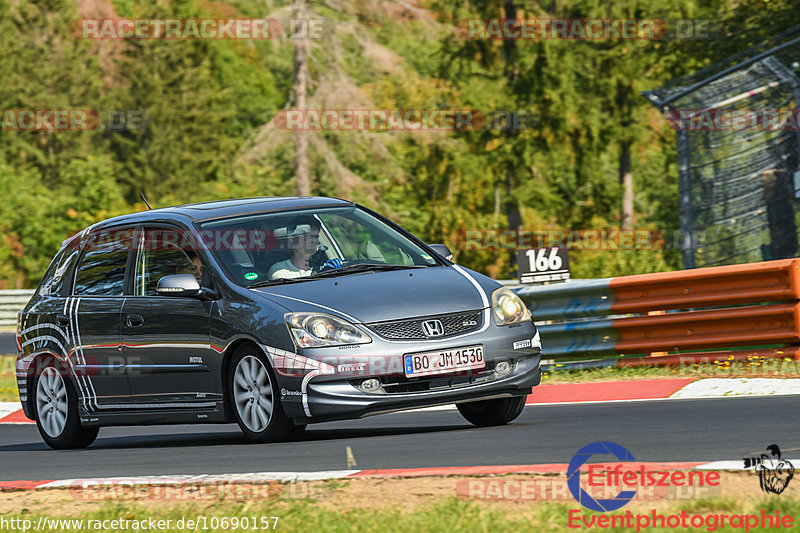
<point x="62" y="320"/>
<point x="134" y="321"/>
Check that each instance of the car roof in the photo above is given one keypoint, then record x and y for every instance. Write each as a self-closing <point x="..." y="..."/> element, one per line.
<point x="204" y="211"/>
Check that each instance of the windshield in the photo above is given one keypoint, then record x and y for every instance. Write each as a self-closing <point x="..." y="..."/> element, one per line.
<point x="288" y="247"/>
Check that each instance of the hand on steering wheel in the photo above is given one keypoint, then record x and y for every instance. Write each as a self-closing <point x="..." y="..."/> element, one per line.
<point x="331" y="263"/>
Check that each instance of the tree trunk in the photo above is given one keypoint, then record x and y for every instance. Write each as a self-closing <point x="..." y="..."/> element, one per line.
<point x="513" y="215"/>
<point x="300" y="88"/>
<point x="623" y="100"/>
<point x="626" y="180"/>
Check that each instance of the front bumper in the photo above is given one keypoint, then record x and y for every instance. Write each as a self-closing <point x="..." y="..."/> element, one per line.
<point x="341" y="400"/>
<point x="332" y="391"/>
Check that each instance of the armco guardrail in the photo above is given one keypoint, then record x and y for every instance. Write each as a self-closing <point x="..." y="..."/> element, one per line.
<point x="609" y="316"/>
<point x="716" y="308"/>
<point x="12" y="301"/>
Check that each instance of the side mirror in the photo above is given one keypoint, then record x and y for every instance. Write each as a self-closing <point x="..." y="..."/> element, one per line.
<point x="178" y="285"/>
<point x="442" y="251"/>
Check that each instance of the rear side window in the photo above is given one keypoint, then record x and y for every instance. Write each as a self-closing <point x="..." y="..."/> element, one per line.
<point x="57" y="273"/>
<point x="64" y="266"/>
<point x="102" y="270"/>
<point x="46" y="285"/>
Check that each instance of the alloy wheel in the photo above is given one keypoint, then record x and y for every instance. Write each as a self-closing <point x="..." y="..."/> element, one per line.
<point x="51" y="401"/>
<point x="252" y="393"/>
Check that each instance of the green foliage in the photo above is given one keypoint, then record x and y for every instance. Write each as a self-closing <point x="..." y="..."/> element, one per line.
<point x="205" y="104"/>
<point x="35" y="218"/>
<point x="439" y="512"/>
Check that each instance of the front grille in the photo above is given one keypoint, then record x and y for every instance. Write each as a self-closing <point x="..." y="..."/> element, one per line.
<point x="411" y="329"/>
<point x="425" y="384"/>
<point x="402" y="384"/>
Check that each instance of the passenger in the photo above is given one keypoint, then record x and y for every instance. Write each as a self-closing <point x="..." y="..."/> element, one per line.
<point x="303" y="242"/>
<point x="197" y="271"/>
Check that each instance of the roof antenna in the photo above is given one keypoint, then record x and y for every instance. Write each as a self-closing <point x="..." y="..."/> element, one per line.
<point x="145" y="201"/>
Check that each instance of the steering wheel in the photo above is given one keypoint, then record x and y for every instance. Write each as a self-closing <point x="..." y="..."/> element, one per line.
<point x="318" y="262"/>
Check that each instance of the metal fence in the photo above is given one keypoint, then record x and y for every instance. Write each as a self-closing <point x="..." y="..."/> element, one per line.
<point x="738" y="154"/>
<point x="12" y="301"/>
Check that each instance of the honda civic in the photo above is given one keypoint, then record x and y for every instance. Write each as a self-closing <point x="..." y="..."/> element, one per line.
<point x="272" y="313"/>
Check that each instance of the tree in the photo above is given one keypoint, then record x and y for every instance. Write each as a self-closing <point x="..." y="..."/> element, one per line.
<point x="299" y="92"/>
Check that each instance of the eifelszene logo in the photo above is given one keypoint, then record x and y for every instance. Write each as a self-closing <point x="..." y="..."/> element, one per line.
<point x="603" y="481"/>
<point x="574" y="476"/>
<point x="774" y="473"/>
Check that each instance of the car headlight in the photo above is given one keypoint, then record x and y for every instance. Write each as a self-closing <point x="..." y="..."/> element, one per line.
<point x="508" y="308"/>
<point x="312" y="330"/>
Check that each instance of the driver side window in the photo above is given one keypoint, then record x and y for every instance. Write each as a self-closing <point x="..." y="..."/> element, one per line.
<point x="160" y="256"/>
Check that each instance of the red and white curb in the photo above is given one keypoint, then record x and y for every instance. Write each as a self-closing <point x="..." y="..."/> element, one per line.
<point x="656" y="389"/>
<point x="11" y="413"/>
<point x="725" y="388"/>
<point x="598" y="392"/>
<point x="293" y="477"/>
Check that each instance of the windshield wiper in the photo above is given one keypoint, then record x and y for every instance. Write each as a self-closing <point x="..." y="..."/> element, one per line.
<point x="352" y="269"/>
<point x="277" y="281"/>
<point x="361" y="267"/>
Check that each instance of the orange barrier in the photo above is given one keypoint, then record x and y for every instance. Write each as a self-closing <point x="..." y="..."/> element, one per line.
<point x="736" y="326"/>
<point x="715" y="308"/>
<point x="768" y="281"/>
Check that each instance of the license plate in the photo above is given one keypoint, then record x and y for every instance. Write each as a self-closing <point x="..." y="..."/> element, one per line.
<point x="444" y="361"/>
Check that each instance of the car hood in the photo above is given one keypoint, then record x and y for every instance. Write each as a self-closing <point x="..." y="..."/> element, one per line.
<point x="377" y="296"/>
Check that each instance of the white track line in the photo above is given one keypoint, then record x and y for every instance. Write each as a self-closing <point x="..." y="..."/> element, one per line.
<point x="256" y="477"/>
<point x="285" y="477"/>
<point x="734" y="465"/>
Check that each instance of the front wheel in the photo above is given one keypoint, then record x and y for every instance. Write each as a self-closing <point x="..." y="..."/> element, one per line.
<point x="56" y="411"/>
<point x="255" y="397"/>
<point x="487" y="413"/>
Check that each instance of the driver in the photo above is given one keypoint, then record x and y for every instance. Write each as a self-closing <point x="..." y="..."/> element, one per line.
<point x="196" y="269"/>
<point x="303" y="242"/>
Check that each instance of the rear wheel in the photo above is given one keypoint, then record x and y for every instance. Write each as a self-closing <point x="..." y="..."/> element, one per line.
<point x="255" y="397"/>
<point x="497" y="412"/>
<point x="56" y="410"/>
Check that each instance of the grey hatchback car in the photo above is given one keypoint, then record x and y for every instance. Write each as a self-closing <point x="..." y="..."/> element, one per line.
<point x="269" y="312"/>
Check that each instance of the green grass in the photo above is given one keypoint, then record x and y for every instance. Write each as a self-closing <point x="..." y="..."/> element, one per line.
<point x="8" y="379"/>
<point x="754" y="368"/>
<point x="447" y="514"/>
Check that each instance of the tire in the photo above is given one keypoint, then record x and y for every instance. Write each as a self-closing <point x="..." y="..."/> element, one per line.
<point x="55" y="407"/>
<point x="255" y="397"/>
<point x="297" y="431"/>
<point x="487" y="413"/>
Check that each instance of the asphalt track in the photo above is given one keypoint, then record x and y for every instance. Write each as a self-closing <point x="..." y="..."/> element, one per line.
<point x="8" y="343"/>
<point x="669" y="430"/>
